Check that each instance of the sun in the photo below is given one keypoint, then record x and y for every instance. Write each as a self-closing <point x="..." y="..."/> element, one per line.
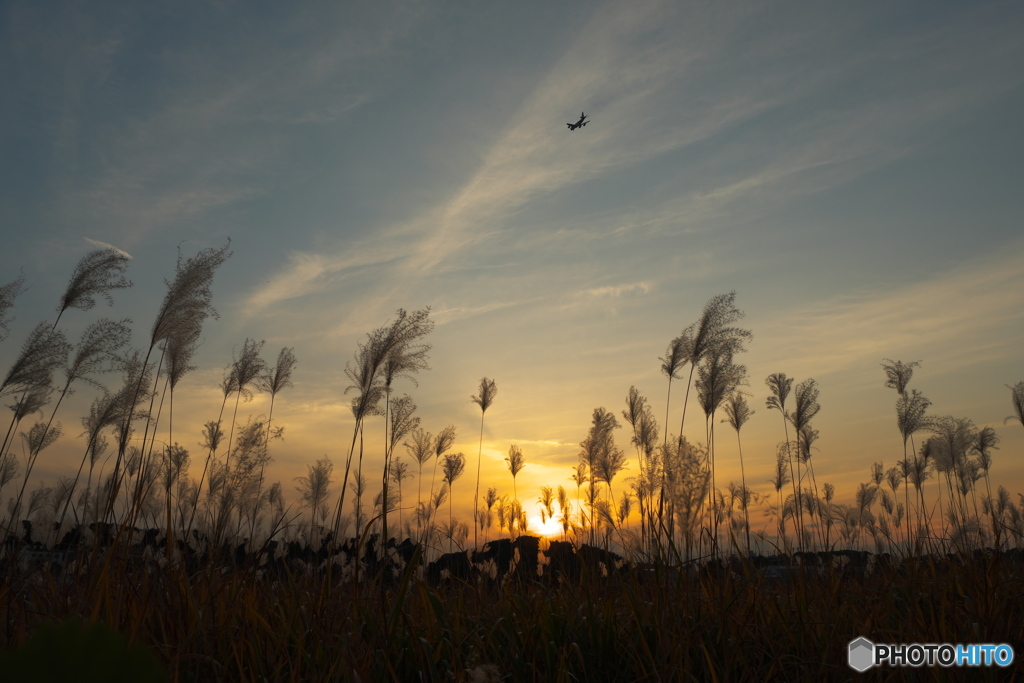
<point x="549" y="529"/>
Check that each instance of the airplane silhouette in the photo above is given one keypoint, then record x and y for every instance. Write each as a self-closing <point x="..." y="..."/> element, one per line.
<point x="579" y="124"/>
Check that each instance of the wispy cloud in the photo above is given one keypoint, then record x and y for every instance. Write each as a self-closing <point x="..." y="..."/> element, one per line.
<point x="627" y="68"/>
<point x="535" y="156"/>
<point x="446" y="315"/>
<point x="970" y="315"/>
<point x="617" y="291"/>
<point x="307" y="273"/>
<point x="104" y="245"/>
<point x="217" y="127"/>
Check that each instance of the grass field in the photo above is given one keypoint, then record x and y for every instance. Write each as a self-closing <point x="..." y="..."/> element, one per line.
<point x="222" y="621"/>
<point x="142" y="566"/>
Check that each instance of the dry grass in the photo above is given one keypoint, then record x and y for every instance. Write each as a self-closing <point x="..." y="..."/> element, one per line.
<point x="224" y="623"/>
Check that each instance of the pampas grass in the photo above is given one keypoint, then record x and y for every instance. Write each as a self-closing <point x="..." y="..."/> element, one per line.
<point x="516" y="462"/>
<point x="1017" y="399"/>
<point x="98" y="273"/>
<point x="234" y="582"/>
<point x="8" y="293"/>
<point x="484" y="399"/>
<point x="387" y="352"/>
<point x="738" y="412"/>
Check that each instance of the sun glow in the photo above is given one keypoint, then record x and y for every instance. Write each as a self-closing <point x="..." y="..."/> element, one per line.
<point x="549" y="529"/>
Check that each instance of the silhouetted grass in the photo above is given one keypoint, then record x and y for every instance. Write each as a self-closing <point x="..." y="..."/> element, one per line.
<point x="656" y="622"/>
<point x="232" y="594"/>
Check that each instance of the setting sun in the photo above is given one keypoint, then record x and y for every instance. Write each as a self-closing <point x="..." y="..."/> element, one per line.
<point x="552" y="528"/>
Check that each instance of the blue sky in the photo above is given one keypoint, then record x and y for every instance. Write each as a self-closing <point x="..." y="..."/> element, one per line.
<point x="852" y="170"/>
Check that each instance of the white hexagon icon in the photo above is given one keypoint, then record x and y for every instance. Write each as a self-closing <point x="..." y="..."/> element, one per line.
<point x="862" y="654"/>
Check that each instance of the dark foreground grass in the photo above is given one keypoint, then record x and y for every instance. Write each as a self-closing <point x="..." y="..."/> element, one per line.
<point x="234" y="624"/>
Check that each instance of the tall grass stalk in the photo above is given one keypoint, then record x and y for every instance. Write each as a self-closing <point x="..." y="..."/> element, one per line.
<point x="420" y="448"/>
<point x="181" y="347"/>
<point x="186" y="305"/>
<point x="714" y="330"/>
<point x="672" y="364"/>
<point x="42" y="354"/>
<point x="273" y="381"/>
<point x="454" y="464"/>
<point x="402" y="422"/>
<point x="8" y="293"/>
<point x="780" y="387"/>
<point x="444" y="440"/>
<point x="1017" y="400"/>
<point x="640" y="417"/>
<point x="96" y="274"/>
<point x="97" y="351"/>
<point x="488" y="390"/>
<point x="599" y="455"/>
<point x="911" y="417"/>
<point x="516" y="462"/>
<point x="400" y="337"/>
<point x="717" y="377"/>
<point x="738" y="412"/>
<point x="245" y="372"/>
<point x="109" y="411"/>
<point x="404" y="361"/>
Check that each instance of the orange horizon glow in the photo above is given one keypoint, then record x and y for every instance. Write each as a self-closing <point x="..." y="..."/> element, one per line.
<point x="550" y="529"/>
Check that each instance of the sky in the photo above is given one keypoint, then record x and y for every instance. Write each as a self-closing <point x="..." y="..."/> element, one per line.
<point x="851" y="170"/>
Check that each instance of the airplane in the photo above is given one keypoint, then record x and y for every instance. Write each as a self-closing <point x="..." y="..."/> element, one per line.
<point x="579" y="124"/>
